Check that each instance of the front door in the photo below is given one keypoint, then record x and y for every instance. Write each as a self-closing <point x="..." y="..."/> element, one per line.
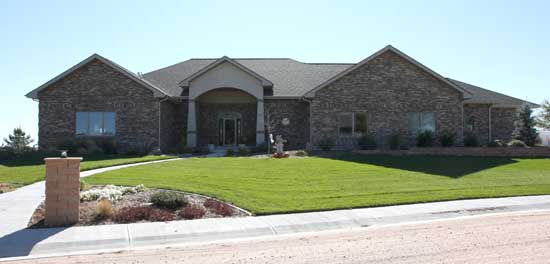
<point x="228" y="133"/>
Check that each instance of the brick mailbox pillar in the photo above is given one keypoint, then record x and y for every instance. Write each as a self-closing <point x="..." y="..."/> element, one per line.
<point x="62" y="191"/>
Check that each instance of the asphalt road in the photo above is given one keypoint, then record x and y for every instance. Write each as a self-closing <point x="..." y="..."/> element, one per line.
<point x="508" y="238"/>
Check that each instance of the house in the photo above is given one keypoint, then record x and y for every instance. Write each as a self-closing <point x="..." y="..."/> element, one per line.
<point x="229" y="101"/>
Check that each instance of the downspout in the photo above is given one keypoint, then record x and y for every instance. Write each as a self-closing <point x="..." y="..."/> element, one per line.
<point x="160" y="117"/>
<point x="490" y="124"/>
<point x="462" y="125"/>
<point x="309" y="120"/>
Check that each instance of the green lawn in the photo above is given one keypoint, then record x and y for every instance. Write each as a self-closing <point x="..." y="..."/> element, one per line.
<point x="29" y="171"/>
<point x="267" y="186"/>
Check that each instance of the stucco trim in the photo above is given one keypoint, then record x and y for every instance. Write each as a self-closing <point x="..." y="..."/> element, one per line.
<point x="156" y="92"/>
<point x="311" y="93"/>
<point x="186" y="82"/>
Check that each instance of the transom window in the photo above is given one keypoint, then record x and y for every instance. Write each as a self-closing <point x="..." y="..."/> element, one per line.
<point x="95" y="123"/>
<point x="352" y="124"/>
<point x="420" y="122"/>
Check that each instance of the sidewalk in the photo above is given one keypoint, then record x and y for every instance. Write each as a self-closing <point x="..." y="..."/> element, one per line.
<point x="17" y="207"/>
<point x="108" y="238"/>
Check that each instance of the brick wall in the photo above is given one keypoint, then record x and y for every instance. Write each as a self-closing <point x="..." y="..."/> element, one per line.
<point x="96" y="87"/>
<point x="386" y="88"/>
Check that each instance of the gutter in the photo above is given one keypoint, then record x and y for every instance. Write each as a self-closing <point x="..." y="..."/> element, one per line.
<point x="160" y="117"/>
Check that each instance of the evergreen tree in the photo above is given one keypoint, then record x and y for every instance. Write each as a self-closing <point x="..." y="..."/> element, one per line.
<point x="524" y="126"/>
<point x="18" y="141"/>
<point x="543" y="119"/>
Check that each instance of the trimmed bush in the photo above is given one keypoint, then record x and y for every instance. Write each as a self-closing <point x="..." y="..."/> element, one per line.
<point x="192" y="211"/>
<point x="367" y="142"/>
<point x="142" y="213"/>
<point x="168" y="199"/>
<point x="471" y="141"/>
<point x="496" y="143"/>
<point x="326" y="144"/>
<point x="425" y="139"/>
<point x="447" y="139"/>
<point x="516" y="143"/>
<point x="243" y="151"/>
<point x="218" y="207"/>
<point x="108" y="146"/>
<point x="104" y="209"/>
<point x="229" y="153"/>
<point x="394" y="141"/>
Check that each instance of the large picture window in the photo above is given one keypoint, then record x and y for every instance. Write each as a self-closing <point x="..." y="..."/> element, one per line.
<point x="420" y="122"/>
<point x="95" y="123"/>
<point x="352" y="124"/>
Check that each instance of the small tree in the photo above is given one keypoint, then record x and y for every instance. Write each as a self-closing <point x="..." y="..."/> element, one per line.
<point x="19" y="141"/>
<point x="524" y="126"/>
<point x="543" y="120"/>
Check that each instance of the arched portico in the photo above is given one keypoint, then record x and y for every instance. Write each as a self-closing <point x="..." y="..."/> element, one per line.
<point x="225" y="75"/>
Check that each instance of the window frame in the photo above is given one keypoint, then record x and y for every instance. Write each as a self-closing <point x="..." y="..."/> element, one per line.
<point x="353" y="133"/>
<point x="419" y="122"/>
<point x="89" y="126"/>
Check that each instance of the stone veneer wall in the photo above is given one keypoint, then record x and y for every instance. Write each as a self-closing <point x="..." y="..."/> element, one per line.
<point x="502" y="123"/>
<point x="207" y="121"/>
<point x="96" y="87"/>
<point x="480" y="115"/>
<point x="386" y="88"/>
<point x="297" y="131"/>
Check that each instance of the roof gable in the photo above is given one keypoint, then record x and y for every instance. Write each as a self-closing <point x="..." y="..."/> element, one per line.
<point x="156" y="91"/>
<point x="186" y="81"/>
<point x="311" y="93"/>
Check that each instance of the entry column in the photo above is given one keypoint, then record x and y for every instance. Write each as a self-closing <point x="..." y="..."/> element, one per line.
<point x="191" y="124"/>
<point x="260" y="135"/>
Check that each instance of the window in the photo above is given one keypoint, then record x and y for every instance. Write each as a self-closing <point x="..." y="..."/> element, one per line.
<point x="360" y="124"/>
<point x="470" y="124"/>
<point x="350" y="124"/>
<point x="95" y="123"/>
<point x="420" y="122"/>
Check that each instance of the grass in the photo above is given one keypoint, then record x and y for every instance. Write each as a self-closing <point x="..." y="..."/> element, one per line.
<point x="23" y="172"/>
<point x="269" y="186"/>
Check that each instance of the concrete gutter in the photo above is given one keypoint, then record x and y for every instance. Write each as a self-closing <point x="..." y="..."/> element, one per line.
<point x="32" y="243"/>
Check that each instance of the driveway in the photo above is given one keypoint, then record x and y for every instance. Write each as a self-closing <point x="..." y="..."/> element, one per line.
<point x="522" y="237"/>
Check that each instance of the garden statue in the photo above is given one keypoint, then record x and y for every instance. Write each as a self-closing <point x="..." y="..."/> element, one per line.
<point x="279" y="144"/>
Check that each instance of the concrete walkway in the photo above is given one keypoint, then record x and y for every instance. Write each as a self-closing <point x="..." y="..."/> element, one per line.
<point x="108" y="238"/>
<point x="17" y="207"/>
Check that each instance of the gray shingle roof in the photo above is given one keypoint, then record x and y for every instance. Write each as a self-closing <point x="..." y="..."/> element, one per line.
<point x="484" y="96"/>
<point x="294" y="78"/>
<point x="289" y="77"/>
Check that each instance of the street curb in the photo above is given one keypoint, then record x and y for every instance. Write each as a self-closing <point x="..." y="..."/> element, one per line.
<point x="77" y="240"/>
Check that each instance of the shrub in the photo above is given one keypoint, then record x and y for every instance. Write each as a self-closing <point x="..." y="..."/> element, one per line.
<point x="83" y="185"/>
<point x="425" y="139"/>
<point x="229" y="153"/>
<point x="280" y="155"/>
<point x="67" y="144"/>
<point x="367" y="142"/>
<point x="192" y="211"/>
<point x="394" y="141"/>
<point x="109" y="192"/>
<point x="156" y="152"/>
<point x="142" y="213"/>
<point x="261" y="148"/>
<point x="524" y="126"/>
<point x="168" y="199"/>
<point x="516" y="143"/>
<point x="301" y="153"/>
<point x="471" y="141"/>
<point x="496" y="143"/>
<point x="104" y="209"/>
<point x="108" y="146"/>
<point x="326" y="143"/>
<point x="6" y="154"/>
<point x="218" y="207"/>
<point x="447" y="139"/>
<point x="243" y="151"/>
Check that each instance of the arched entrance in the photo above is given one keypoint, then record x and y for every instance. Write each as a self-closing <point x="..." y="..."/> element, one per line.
<point x="226" y="117"/>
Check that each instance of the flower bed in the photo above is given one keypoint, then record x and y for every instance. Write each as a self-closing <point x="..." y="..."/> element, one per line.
<point x="111" y="204"/>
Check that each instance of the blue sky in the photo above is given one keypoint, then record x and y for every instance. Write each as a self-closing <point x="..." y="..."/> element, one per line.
<point x="500" y="45"/>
